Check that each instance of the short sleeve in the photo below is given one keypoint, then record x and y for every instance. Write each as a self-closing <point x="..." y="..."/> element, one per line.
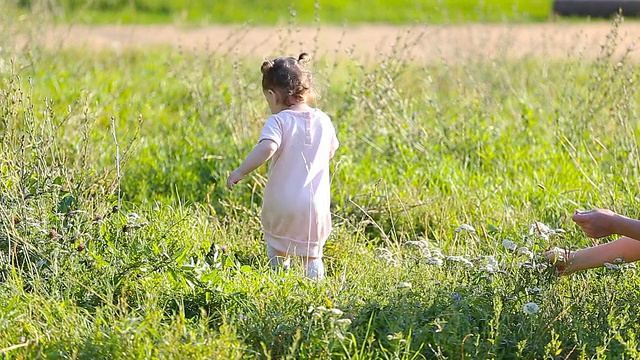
<point x="272" y="130"/>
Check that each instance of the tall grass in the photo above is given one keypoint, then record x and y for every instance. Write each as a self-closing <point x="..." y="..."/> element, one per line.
<point x="118" y="239"/>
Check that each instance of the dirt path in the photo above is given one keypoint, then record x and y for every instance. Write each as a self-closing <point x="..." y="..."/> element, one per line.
<point x="366" y="42"/>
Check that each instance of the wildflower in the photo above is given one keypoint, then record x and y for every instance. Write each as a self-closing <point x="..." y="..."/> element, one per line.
<point x="559" y="255"/>
<point x="526" y="265"/>
<point x="491" y="261"/>
<point x="321" y="308"/>
<point x="509" y="245"/>
<point x="437" y="253"/>
<point x="531" y="308"/>
<point x="343" y="322"/>
<point x="418" y="243"/>
<point x="82" y="246"/>
<point x="539" y="228"/>
<point x="384" y="253"/>
<point x="611" y="266"/>
<point x="456" y="296"/>
<point x="533" y="290"/>
<point x="488" y="269"/>
<point x="133" y="217"/>
<point x="525" y="252"/>
<point x="459" y="259"/>
<point x="434" y="261"/>
<point x="336" y="312"/>
<point x="465" y="227"/>
<point x="405" y="285"/>
<point x="541" y="266"/>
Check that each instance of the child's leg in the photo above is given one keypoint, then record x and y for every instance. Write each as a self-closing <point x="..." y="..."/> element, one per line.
<point x="278" y="259"/>
<point x="625" y="248"/>
<point x="314" y="268"/>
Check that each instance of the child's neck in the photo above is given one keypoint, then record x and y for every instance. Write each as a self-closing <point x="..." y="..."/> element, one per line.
<point x="299" y="106"/>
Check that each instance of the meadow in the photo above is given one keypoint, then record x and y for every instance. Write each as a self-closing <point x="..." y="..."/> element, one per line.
<point x="281" y="12"/>
<point x="119" y="239"/>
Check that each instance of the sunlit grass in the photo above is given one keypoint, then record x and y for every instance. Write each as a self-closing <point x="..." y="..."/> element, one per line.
<point x="281" y="12"/>
<point x="118" y="238"/>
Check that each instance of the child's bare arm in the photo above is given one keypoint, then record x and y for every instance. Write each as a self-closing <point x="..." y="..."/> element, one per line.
<point x="258" y="156"/>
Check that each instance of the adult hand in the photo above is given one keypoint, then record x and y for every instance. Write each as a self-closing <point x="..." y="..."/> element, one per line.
<point x="596" y="223"/>
<point x="233" y="179"/>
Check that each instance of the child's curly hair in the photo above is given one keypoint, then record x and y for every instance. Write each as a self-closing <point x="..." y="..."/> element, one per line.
<point x="289" y="77"/>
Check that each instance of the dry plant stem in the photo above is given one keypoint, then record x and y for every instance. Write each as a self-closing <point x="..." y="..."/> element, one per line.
<point x="118" y="173"/>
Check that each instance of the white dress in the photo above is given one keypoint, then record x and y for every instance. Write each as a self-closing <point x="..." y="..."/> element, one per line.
<point x="296" y="215"/>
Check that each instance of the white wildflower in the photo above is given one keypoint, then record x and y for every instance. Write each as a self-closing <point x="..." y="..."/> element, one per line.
<point x="525" y="264"/>
<point x="559" y="255"/>
<point x="559" y="231"/>
<point x="509" y="245"/>
<point x="533" y="290"/>
<point x="465" y="227"/>
<point x="418" y="243"/>
<point x="385" y="254"/>
<point x="491" y="261"/>
<point x="321" y="308"/>
<point x="531" y="308"/>
<point x="405" y="285"/>
<point x="133" y="217"/>
<point x="525" y="252"/>
<point x="437" y="253"/>
<point x="488" y="269"/>
<point x="541" y="266"/>
<point x="434" y="261"/>
<point x="336" y="312"/>
<point x="539" y="228"/>
<point x="343" y="322"/>
<point x="459" y="259"/>
<point x="611" y="266"/>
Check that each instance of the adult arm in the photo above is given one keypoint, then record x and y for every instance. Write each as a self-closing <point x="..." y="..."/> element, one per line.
<point x="602" y="222"/>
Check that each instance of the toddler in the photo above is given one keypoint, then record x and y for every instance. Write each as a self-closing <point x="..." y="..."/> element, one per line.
<point x="299" y="140"/>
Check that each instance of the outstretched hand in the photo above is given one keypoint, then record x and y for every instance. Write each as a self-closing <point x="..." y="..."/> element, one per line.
<point x="233" y="179"/>
<point x="595" y="223"/>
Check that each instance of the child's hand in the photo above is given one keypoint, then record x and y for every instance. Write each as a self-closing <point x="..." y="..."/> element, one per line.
<point x="560" y="259"/>
<point x="233" y="179"/>
<point x="595" y="223"/>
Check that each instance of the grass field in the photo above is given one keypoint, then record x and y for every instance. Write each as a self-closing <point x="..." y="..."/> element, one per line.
<point x="282" y="12"/>
<point x="118" y="238"/>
